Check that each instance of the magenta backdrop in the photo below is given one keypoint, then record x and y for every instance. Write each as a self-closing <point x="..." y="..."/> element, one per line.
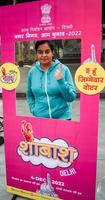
<point x="66" y="20"/>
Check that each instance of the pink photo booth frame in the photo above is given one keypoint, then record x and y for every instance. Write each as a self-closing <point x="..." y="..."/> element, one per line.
<point x="41" y="175"/>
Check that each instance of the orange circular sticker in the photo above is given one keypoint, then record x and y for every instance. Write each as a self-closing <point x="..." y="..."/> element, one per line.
<point x="90" y="78"/>
<point x="9" y="76"/>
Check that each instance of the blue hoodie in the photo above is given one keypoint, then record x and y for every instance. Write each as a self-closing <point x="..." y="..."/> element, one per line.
<point x="48" y="97"/>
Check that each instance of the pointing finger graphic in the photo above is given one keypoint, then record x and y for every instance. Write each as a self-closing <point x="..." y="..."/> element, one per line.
<point x="93" y="54"/>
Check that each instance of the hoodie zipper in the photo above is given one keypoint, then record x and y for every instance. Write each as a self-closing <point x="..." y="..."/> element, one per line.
<point x="48" y="99"/>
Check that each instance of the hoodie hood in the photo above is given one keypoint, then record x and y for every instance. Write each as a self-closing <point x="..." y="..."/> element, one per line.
<point x="38" y="66"/>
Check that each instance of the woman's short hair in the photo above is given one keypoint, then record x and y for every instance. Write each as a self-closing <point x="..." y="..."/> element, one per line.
<point x="38" y="43"/>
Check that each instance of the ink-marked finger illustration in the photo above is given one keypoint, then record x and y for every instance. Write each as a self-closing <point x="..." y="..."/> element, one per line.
<point x="93" y="55"/>
<point x="47" y="188"/>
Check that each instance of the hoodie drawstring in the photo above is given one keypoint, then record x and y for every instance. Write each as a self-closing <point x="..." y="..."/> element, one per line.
<point x="48" y="100"/>
<point x="41" y="79"/>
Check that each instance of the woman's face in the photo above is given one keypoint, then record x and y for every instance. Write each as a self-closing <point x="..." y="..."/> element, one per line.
<point x="44" y="55"/>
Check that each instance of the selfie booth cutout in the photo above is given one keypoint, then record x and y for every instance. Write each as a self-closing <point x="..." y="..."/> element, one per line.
<point x="61" y="162"/>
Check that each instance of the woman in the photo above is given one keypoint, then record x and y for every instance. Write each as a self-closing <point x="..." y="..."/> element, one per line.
<point x="50" y="87"/>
